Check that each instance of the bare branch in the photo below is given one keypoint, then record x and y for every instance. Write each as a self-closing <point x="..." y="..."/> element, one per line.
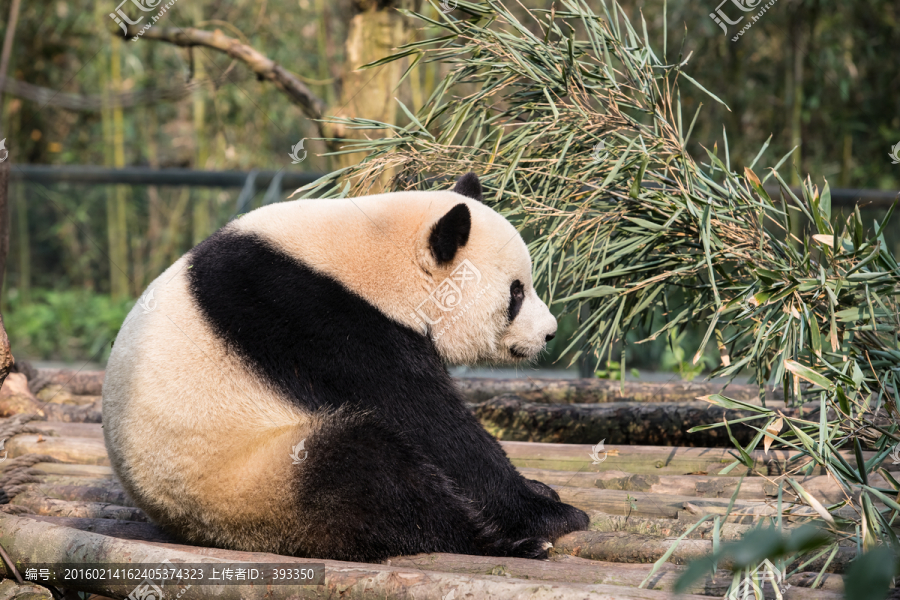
<point x="264" y="67"/>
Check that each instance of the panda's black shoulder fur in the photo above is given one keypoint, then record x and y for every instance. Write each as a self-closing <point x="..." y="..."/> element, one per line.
<point x="429" y="477"/>
<point x="304" y="332"/>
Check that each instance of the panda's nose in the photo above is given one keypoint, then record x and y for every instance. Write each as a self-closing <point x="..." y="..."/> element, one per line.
<point x="550" y="337"/>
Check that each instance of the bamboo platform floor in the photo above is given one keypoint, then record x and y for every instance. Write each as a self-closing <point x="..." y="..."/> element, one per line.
<point x="65" y="506"/>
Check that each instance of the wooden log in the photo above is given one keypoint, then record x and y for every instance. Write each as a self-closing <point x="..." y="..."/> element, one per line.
<point x="656" y="460"/>
<point x="512" y="418"/>
<point x="823" y="487"/>
<point x="82" y="383"/>
<point x="39" y="504"/>
<point x="108" y="492"/>
<point x="79" y="481"/>
<point x="80" y="450"/>
<point x="579" y="570"/>
<point x="643" y="504"/>
<point x="559" y="568"/>
<point x="118" y="528"/>
<point x="16" y="398"/>
<point x="634" y="548"/>
<point x="58" y="394"/>
<point x="31" y="541"/>
<point x="68" y="429"/>
<point x="706" y="486"/>
<point x="671" y="528"/>
<point x="74" y="470"/>
<point x="586" y="391"/>
<point x="71" y="413"/>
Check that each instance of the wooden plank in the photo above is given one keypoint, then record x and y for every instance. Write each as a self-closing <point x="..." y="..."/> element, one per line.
<point x="105" y="491"/>
<point x="656" y="460"/>
<point x="634" y="548"/>
<point x="40" y="504"/>
<point x="75" y="470"/>
<point x="643" y="504"/>
<point x="118" y="528"/>
<point x="77" y="450"/>
<point x="62" y="429"/>
<point x="823" y="487"/>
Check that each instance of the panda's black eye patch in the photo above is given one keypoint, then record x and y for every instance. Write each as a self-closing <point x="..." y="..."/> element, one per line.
<point x="516" y="297"/>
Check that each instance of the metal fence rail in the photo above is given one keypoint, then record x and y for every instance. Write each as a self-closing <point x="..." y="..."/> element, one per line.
<point x="276" y="181"/>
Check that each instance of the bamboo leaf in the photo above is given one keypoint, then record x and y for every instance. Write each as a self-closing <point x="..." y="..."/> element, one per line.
<point x="804" y="372"/>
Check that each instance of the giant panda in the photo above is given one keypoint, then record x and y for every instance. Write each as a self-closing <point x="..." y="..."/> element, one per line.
<point x="282" y="386"/>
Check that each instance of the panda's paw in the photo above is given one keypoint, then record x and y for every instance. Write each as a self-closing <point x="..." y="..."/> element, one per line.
<point x="542" y="488"/>
<point x="551" y="519"/>
<point x="567" y="519"/>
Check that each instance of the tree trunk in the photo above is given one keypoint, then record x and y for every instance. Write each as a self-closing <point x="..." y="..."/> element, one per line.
<point x="4" y="165"/>
<point x="374" y="33"/>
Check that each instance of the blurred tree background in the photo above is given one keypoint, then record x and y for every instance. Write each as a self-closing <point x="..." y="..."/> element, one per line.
<point x="818" y="74"/>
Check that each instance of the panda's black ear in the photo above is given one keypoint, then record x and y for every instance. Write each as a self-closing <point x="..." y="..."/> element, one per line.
<point x="469" y="186"/>
<point x="450" y="233"/>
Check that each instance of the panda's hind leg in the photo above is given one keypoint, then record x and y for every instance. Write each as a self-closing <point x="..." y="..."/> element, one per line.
<point x="365" y="493"/>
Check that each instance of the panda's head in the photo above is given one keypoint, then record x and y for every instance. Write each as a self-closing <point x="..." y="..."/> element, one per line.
<point x="479" y="302"/>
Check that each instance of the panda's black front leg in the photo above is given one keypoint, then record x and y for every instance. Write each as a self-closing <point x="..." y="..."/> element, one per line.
<point x="525" y="519"/>
<point x="518" y="517"/>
